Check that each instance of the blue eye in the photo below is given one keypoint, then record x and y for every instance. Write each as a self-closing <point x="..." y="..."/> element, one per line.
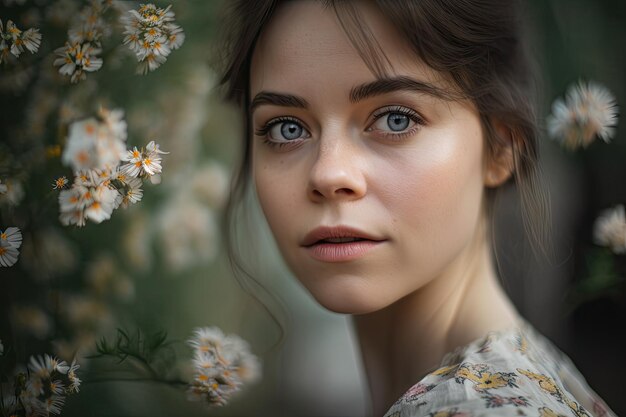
<point x="289" y="130"/>
<point x="282" y="131"/>
<point x="397" y="121"/>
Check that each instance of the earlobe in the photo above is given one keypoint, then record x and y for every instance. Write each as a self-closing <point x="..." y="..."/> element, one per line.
<point x="500" y="166"/>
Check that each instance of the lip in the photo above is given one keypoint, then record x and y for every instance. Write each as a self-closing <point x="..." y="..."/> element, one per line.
<point x="326" y="232"/>
<point x="339" y="252"/>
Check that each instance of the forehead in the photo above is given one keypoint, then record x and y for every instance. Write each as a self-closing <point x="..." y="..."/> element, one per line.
<point x="304" y="43"/>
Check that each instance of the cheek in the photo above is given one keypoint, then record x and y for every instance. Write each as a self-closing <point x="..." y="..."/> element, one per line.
<point x="436" y="201"/>
<point x="275" y="191"/>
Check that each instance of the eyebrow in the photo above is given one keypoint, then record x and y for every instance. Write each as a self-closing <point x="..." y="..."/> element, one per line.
<point x="388" y="85"/>
<point x="357" y="93"/>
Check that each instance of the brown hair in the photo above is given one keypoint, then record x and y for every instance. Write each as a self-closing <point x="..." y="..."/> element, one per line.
<point x="478" y="44"/>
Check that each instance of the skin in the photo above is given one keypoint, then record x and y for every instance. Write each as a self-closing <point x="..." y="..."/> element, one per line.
<point x="431" y="286"/>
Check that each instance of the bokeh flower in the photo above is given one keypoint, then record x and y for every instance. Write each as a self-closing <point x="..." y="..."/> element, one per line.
<point x="588" y="111"/>
<point x="151" y="35"/>
<point x="609" y="229"/>
<point x="223" y="364"/>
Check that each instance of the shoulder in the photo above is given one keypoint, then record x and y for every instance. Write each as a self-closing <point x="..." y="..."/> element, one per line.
<point x="504" y="374"/>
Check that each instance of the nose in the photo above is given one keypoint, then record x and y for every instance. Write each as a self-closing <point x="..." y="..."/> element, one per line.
<point x="337" y="172"/>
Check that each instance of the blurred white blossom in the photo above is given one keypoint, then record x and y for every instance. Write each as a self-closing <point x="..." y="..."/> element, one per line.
<point x="3" y="188"/>
<point x="14" y="192"/>
<point x="93" y="145"/>
<point x="10" y="242"/>
<point x="32" y="320"/>
<point x="588" y="111"/>
<point x="151" y="35"/>
<point x="610" y="229"/>
<point x="14" y="41"/>
<point x="49" y="254"/>
<point x="223" y="364"/>
<point x="187" y="233"/>
<point x="209" y="183"/>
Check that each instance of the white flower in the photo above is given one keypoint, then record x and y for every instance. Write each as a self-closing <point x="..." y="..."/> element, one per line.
<point x="588" y="111"/>
<point x="151" y="35"/>
<point x="60" y="183"/>
<point x="73" y="378"/>
<point x="132" y="192"/>
<point x="610" y="229"/>
<point x="41" y="366"/>
<point x="3" y="188"/>
<point x="10" y="241"/>
<point x="142" y="163"/>
<point x="222" y="365"/>
<point x="76" y="58"/>
<point x="29" y="39"/>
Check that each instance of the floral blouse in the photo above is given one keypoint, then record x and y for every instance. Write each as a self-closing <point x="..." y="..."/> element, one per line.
<point x="512" y="372"/>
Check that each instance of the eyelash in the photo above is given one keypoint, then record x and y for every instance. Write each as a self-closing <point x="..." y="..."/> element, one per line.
<point x="419" y="121"/>
<point x="263" y="131"/>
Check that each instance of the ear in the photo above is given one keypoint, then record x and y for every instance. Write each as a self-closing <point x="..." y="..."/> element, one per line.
<point x="499" y="167"/>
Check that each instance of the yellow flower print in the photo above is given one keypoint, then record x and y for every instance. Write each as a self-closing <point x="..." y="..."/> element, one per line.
<point x="445" y="370"/>
<point x="547" y="412"/>
<point x="454" y="412"/>
<point x="545" y="382"/>
<point x="484" y="379"/>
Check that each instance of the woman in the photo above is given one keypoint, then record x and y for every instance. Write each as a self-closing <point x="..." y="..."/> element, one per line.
<point x="377" y="137"/>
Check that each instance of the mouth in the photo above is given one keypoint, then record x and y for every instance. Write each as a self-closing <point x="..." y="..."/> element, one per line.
<point x="338" y="236"/>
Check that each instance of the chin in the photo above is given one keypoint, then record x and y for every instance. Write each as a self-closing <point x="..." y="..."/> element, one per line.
<point x="349" y="301"/>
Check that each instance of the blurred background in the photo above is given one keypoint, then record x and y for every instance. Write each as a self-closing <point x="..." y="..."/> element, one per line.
<point x="160" y="264"/>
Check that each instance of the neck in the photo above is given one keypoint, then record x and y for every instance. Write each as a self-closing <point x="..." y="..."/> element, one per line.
<point x="401" y="343"/>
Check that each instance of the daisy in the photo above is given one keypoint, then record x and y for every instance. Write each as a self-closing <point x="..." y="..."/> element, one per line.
<point x="73" y="378"/>
<point x="131" y="193"/>
<point x="151" y="34"/>
<point x="588" y="111"/>
<point x="76" y="58"/>
<point x="40" y="366"/>
<point x="11" y="236"/>
<point x="142" y="163"/>
<point x="57" y="365"/>
<point x="610" y="229"/>
<point x="60" y="183"/>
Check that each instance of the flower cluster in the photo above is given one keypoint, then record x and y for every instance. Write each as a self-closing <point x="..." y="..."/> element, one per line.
<point x="151" y="35"/>
<point x="222" y="365"/>
<point x="80" y="53"/>
<point x="95" y="150"/>
<point x="41" y="389"/>
<point x="10" y="242"/>
<point x="13" y="40"/>
<point x="610" y="229"/>
<point x="588" y="111"/>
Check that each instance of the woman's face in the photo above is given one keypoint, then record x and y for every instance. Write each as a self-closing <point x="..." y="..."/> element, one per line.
<point x="396" y="162"/>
